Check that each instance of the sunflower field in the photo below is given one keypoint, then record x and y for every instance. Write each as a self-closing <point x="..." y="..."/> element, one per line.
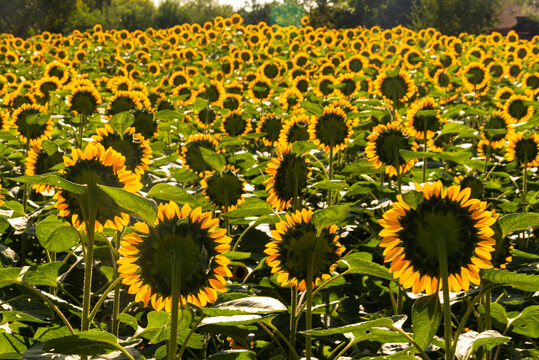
<point x="263" y="192"/>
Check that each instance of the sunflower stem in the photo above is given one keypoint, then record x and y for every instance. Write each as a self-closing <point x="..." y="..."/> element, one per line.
<point x="525" y="178"/>
<point x="81" y="128"/>
<point x="488" y="319"/>
<point x="441" y="249"/>
<point x="116" y="304"/>
<point x="293" y="323"/>
<point x="89" y="261"/>
<point x="487" y="155"/>
<point x="330" y="171"/>
<point x="424" y="148"/>
<point x="191" y="332"/>
<point x="175" y="305"/>
<point x="308" y="301"/>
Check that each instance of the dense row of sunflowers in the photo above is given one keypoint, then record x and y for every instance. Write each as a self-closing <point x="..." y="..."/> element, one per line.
<point x="270" y="172"/>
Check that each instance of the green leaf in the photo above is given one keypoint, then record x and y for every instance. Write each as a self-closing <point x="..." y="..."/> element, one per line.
<point x="361" y="263"/>
<point x="252" y="207"/>
<point x="53" y="332"/>
<point x="237" y="255"/>
<point x="12" y="346"/>
<point x="234" y="355"/>
<point x="313" y="108"/>
<point x="331" y="185"/>
<point x="9" y="276"/>
<point x="330" y="216"/>
<point x="200" y="104"/>
<point x="253" y="305"/>
<point x="52" y="179"/>
<point x="518" y="222"/>
<point x="170" y="192"/>
<point x="413" y="198"/>
<point x="215" y="160"/>
<point x="121" y="121"/>
<point x="50" y="147"/>
<point x="301" y="147"/>
<point x="168" y="115"/>
<point x="426" y="318"/>
<point x="83" y="343"/>
<point x="360" y="188"/>
<point x="233" y="320"/>
<point x="527" y="323"/>
<point x="45" y="274"/>
<point x="145" y="208"/>
<point x="353" y="328"/>
<point x="11" y="316"/>
<point x="128" y="320"/>
<point x="471" y="341"/>
<point x="183" y="176"/>
<point x="513" y="279"/>
<point x="56" y="235"/>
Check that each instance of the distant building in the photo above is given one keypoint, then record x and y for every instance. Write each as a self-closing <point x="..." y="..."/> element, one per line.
<point x="519" y="18"/>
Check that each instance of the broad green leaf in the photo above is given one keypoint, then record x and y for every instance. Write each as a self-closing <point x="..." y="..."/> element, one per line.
<point x="53" y="332"/>
<point x="45" y="274"/>
<point x="128" y="320"/>
<point x="527" y="323"/>
<point x="413" y="198"/>
<point x="518" y="222"/>
<point x="361" y="263"/>
<point x="301" y="147"/>
<point x="200" y="104"/>
<point x="237" y="255"/>
<point x="9" y="276"/>
<point x="256" y="305"/>
<point x="426" y="318"/>
<point x="170" y="192"/>
<point x="497" y="313"/>
<point x="215" y="160"/>
<point x="121" y="121"/>
<point x="232" y="320"/>
<point x="524" y="254"/>
<point x="518" y="281"/>
<point x="330" y="216"/>
<point x="354" y="328"/>
<point x="253" y="207"/>
<point x="231" y="142"/>
<point x="471" y="341"/>
<point x="12" y="346"/>
<point x="360" y="188"/>
<point x="83" y="343"/>
<point x="331" y="185"/>
<point x="52" y="179"/>
<point x="56" y="235"/>
<point x="251" y="136"/>
<point x="50" y="147"/>
<point x="183" y="176"/>
<point x="234" y="355"/>
<point x="168" y="115"/>
<point x="11" y="316"/>
<point x="145" y="208"/>
<point x="313" y="108"/>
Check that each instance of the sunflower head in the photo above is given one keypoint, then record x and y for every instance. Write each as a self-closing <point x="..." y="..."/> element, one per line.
<point x="234" y="124"/>
<point x="95" y="165"/>
<point x="288" y="175"/>
<point x="84" y="100"/>
<point x="395" y="87"/>
<point x="445" y="224"/>
<point x="37" y="162"/>
<point x="423" y="118"/>
<point x="183" y="240"/>
<point x="295" y="129"/>
<point x="224" y="189"/>
<point x="272" y="125"/>
<point x="191" y="156"/>
<point x="518" y="109"/>
<point x="145" y="123"/>
<point x="32" y="124"/>
<point x="331" y="131"/>
<point x="497" y="129"/>
<point x="260" y="88"/>
<point x="298" y="246"/>
<point x="523" y="149"/>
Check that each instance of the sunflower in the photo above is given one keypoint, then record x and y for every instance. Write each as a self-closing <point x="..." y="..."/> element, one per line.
<point x="291" y="99"/>
<point x="4" y="121"/>
<point x="205" y="118"/>
<point x="394" y="87"/>
<point x="232" y="102"/>
<point x="126" y="101"/>
<point x="356" y="64"/>
<point x="191" y="156"/>
<point x="32" y="124"/>
<point x="385" y="143"/>
<point x="347" y="85"/>
<point x="224" y="189"/>
<point x="288" y="175"/>
<point x="179" y="78"/>
<point x="417" y="123"/>
<point x="45" y="85"/>
<point x="325" y="86"/>
<point x="272" y="125"/>
<point x="153" y="68"/>
<point x="301" y="84"/>
<point x="184" y="240"/>
<point x="331" y="131"/>
<point x="447" y="223"/>
<point x="214" y="93"/>
<point x="474" y="76"/>
<point x="295" y="129"/>
<point x="145" y="123"/>
<point x="84" y="100"/>
<point x="187" y="95"/>
<point x="523" y="149"/>
<point x="531" y="83"/>
<point x="38" y="162"/>
<point x="297" y="246"/>
<point x="96" y="166"/>
<point x="517" y="110"/>
<point x="133" y="146"/>
<point x="235" y="125"/>
<point x="260" y="88"/>
<point x="502" y="94"/>
<point x="497" y="121"/>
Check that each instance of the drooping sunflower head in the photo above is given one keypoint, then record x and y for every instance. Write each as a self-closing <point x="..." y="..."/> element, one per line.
<point x="232" y="102"/>
<point x="445" y="227"/>
<point x="394" y="87"/>
<point x="126" y="101"/>
<point x="95" y="165"/>
<point x="45" y="85"/>
<point x="288" y="175"/>
<point x="272" y="125"/>
<point x="331" y="131"/>
<point x="145" y="123"/>
<point x="297" y="246"/>
<point x="224" y="189"/>
<point x="295" y="129"/>
<point x="291" y="99"/>
<point x="518" y="109"/>
<point x="385" y="143"/>
<point x="205" y="118"/>
<point x="234" y="124"/>
<point x="347" y="85"/>
<point x="191" y="156"/>
<point x="497" y="129"/>
<point x="133" y="146"/>
<point x="32" y="124"/>
<point x="185" y="241"/>
<point x="423" y="118"/>
<point x="38" y="162"/>
<point x="84" y="100"/>
<point x="523" y="149"/>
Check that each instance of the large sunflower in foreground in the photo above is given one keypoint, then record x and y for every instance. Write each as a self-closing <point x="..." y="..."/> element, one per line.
<point x="224" y="189"/>
<point x="288" y="178"/>
<point x="134" y="147"/>
<point x="187" y="236"/>
<point x="383" y="148"/>
<point x="447" y="223"/>
<point x="95" y="165"/>
<point x="32" y="124"/>
<point x="297" y="245"/>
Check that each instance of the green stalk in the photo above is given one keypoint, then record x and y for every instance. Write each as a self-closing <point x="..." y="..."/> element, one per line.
<point x="81" y="129"/>
<point x="488" y="318"/>
<point x="191" y="332"/>
<point x="309" y="309"/>
<point x="103" y="297"/>
<point x="116" y="303"/>
<point x="294" y="354"/>
<point x="441" y="249"/>
<point x="176" y="280"/>
<point x="487" y="155"/>
<point x="330" y="171"/>
<point x="424" y="148"/>
<point x="293" y="322"/>
<point x="525" y="178"/>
